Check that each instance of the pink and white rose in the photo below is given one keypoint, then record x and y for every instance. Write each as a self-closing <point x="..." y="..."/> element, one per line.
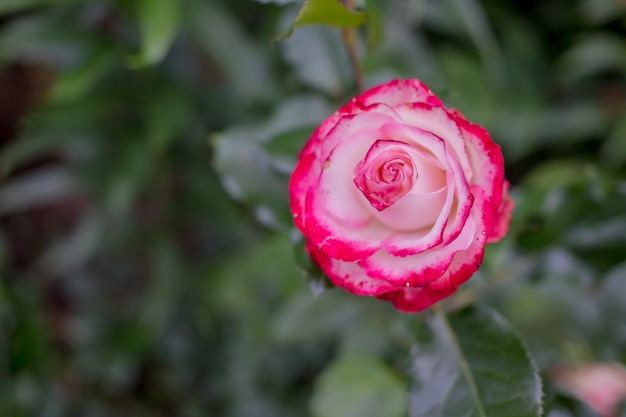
<point x="397" y="196"/>
<point x="600" y="385"/>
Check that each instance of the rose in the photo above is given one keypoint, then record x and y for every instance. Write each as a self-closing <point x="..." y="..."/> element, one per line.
<point x="396" y="196"/>
<point x="601" y="385"/>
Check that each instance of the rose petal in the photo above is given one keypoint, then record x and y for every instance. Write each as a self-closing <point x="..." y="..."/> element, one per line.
<point x="449" y="224"/>
<point x="387" y="172"/>
<point x="332" y="214"/>
<point x="413" y="213"/>
<point x="485" y="158"/>
<point x="398" y="92"/>
<point x="464" y="264"/>
<point x="348" y="275"/>
<point x="502" y="216"/>
<point x="420" y="269"/>
<point x="439" y="122"/>
<point x="411" y="300"/>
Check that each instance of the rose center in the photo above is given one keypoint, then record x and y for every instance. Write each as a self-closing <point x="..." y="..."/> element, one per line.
<point x="385" y="174"/>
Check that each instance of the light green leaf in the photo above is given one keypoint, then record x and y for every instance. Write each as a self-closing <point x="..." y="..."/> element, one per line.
<point x="158" y="24"/>
<point x="473" y="364"/>
<point x="358" y="386"/>
<point x="327" y="12"/>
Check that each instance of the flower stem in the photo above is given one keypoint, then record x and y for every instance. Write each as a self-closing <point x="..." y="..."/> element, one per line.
<point x="348" y="35"/>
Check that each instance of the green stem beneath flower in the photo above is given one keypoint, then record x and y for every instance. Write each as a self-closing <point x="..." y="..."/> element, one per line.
<point x="348" y="35"/>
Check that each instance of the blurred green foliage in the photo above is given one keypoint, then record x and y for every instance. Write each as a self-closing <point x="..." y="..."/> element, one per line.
<point x="141" y="273"/>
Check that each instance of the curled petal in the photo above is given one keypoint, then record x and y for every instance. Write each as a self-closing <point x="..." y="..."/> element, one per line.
<point x="421" y="269"/>
<point x="386" y="173"/>
<point x="462" y="266"/>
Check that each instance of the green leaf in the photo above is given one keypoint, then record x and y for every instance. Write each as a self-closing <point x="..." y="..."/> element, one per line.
<point x="593" y="55"/>
<point x="220" y="35"/>
<point x="613" y="150"/>
<point x="158" y="23"/>
<point x="471" y="14"/>
<point x="254" y="169"/>
<point x="12" y="6"/>
<point x="358" y="386"/>
<point x="318" y="58"/>
<point x="281" y="2"/>
<point x="249" y="175"/>
<point x="318" y="281"/>
<point x="473" y="364"/>
<point x="81" y="80"/>
<point x="327" y="12"/>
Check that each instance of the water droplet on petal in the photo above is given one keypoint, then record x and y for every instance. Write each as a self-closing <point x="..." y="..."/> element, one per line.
<point x="407" y="284"/>
<point x="484" y="232"/>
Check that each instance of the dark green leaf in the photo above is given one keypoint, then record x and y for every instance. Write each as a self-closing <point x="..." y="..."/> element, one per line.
<point x="11" y="6"/>
<point x="255" y="170"/>
<point x="358" y="386"/>
<point x="471" y="14"/>
<point x="327" y="12"/>
<point x="226" y="41"/>
<point x="318" y="281"/>
<point x="281" y="2"/>
<point x="473" y="364"/>
<point x="77" y="82"/>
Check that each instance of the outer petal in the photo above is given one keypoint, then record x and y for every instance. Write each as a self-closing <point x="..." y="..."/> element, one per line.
<point x="502" y="216"/>
<point x="463" y="266"/>
<point x="412" y="300"/>
<point x="326" y="205"/>
<point x="485" y="158"/>
<point x="466" y="262"/>
<point x="439" y="122"/>
<point x="348" y="275"/>
<point x="421" y="269"/>
<point x="398" y="92"/>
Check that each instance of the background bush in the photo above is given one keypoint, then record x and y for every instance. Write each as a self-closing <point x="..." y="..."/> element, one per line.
<point x="147" y="266"/>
